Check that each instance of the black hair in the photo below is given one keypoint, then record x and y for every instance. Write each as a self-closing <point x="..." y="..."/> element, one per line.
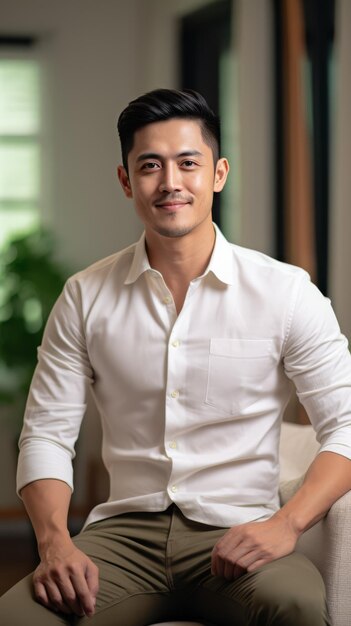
<point x="164" y="104"/>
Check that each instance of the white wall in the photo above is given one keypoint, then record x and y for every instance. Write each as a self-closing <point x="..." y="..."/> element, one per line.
<point x="89" y="52"/>
<point x="92" y="59"/>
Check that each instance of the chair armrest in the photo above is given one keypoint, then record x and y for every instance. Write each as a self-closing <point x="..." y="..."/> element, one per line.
<point x="328" y="545"/>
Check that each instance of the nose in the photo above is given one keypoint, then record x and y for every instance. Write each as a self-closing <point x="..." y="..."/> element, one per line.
<point x="171" y="178"/>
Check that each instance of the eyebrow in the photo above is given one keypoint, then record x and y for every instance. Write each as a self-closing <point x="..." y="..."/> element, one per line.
<point x="154" y="155"/>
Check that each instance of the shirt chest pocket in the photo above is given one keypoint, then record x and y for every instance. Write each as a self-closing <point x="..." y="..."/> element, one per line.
<point x="237" y="372"/>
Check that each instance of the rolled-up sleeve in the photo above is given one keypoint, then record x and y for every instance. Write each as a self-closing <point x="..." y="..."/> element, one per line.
<point x="317" y="360"/>
<point x="57" y="399"/>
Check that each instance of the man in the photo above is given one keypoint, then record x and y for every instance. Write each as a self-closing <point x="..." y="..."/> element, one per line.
<point x="188" y="344"/>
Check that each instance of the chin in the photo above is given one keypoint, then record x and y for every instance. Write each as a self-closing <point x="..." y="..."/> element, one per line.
<point x="179" y="231"/>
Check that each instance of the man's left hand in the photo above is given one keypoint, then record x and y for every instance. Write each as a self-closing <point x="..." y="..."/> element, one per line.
<point x="246" y="547"/>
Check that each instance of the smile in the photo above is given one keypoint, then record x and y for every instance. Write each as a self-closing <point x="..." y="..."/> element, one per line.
<point x="171" y="205"/>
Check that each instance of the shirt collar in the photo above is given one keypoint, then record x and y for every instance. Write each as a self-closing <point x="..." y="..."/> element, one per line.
<point x="221" y="262"/>
<point x="140" y="263"/>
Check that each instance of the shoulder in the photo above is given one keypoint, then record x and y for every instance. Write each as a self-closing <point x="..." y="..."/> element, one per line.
<point x="270" y="280"/>
<point x="113" y="268"/>
<point x="100" y="269"/>
<point x="263" y="264"/>
<point x="103" y="279"/>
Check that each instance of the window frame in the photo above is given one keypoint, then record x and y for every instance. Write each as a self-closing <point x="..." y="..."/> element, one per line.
<point x="24" y="49"/>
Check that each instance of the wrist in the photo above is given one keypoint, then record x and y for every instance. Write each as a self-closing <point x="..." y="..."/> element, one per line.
<point x="292" y="519"/>
<point x="51" y="540"/>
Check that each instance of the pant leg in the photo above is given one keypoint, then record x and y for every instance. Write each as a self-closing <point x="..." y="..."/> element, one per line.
<point x="287" y="592"/>
<point x="18" y="608"/>
<point x="134" y="591"/>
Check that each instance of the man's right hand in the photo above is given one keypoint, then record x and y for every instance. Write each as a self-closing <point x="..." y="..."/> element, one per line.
<point x="66" y="579"/>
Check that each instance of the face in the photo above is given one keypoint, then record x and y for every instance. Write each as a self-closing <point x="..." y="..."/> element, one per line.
<point x="172" y="177"/>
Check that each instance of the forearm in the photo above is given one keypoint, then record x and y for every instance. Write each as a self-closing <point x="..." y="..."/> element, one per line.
<point x="47" y="503"/>
<point x="327" y="479"/>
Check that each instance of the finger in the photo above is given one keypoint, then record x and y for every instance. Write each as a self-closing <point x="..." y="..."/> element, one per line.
<point x="40" y="593"/>
<point x="228" y="570"/>
<point x="51" y="596"/>
<point x="83" y="594"/>
<point x="216" y="563"/>
<point x="258" y="563"/>
<point x="55" y="599"/>
<point x="70" y="597"/>
<point x="92" y="578"/>
<point x="224" y="559"/>
<point x="239" y="571"/>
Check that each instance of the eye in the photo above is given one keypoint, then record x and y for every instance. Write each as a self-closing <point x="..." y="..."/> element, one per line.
<point x="150" y="165"/>
<point x="188" y="163"/>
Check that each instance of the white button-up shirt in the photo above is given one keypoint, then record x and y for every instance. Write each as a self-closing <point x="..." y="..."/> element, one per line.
<point x="191" y="404"/>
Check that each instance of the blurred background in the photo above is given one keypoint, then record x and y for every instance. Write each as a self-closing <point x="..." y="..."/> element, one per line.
<point x="279" y="74"/>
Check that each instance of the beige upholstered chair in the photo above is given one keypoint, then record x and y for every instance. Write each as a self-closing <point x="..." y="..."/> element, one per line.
<point x="328" y="543"/>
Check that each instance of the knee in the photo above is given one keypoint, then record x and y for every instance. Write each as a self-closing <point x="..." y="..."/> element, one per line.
<point x="292" y="598"/>
<point x="18" y="607"/>
<point x="288" y="609"/>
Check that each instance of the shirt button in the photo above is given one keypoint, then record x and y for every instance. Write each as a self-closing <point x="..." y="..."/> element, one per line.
<point x="175" y="393"/>
<point x="173" y="445"/>
<point x="167" y="300"/>
<point x="174" y="488"/>
<point x="176" y="343"/>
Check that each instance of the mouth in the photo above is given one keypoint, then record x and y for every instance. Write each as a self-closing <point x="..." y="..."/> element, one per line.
<point x="171" y="205"/>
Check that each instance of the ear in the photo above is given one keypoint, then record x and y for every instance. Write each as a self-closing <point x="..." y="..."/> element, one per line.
<point x="221" y="173"/>
<point x="124" y="180"/>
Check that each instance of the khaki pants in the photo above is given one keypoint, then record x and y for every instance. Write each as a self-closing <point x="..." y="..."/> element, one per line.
<point x="155" y="567"/>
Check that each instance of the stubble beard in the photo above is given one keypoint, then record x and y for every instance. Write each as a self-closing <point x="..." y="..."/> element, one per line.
<point x="176" y="231"/>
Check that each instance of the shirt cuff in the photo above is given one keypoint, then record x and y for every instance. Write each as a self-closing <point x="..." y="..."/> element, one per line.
<point x="40" y="459"/>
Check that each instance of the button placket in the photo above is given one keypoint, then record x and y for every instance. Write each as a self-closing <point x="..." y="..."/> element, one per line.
<point x="176" y="414"/>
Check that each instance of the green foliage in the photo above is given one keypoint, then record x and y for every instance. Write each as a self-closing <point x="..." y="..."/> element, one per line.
<point x="30" y="281"/>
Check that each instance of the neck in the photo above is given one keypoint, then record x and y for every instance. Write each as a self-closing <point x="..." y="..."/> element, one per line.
<point x="180" y="259"/>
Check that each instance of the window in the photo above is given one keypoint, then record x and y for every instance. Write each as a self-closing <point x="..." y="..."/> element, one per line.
<point x="20" y="149"/>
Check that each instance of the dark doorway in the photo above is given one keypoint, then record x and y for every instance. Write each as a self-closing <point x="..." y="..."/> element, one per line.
<point x="205" y="36"/>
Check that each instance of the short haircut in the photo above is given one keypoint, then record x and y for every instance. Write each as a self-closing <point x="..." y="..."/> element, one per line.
<point x="164" y="104"/>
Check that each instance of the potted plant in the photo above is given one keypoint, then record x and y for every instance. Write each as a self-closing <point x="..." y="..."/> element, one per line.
<point x="30" y="281"/>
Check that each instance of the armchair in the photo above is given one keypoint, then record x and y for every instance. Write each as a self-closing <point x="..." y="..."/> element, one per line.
<point x="327" y="543"/>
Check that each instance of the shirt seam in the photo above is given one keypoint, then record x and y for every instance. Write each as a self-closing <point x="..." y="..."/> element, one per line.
<point x="77" y="300"/>
<point x="291" y="314"/>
